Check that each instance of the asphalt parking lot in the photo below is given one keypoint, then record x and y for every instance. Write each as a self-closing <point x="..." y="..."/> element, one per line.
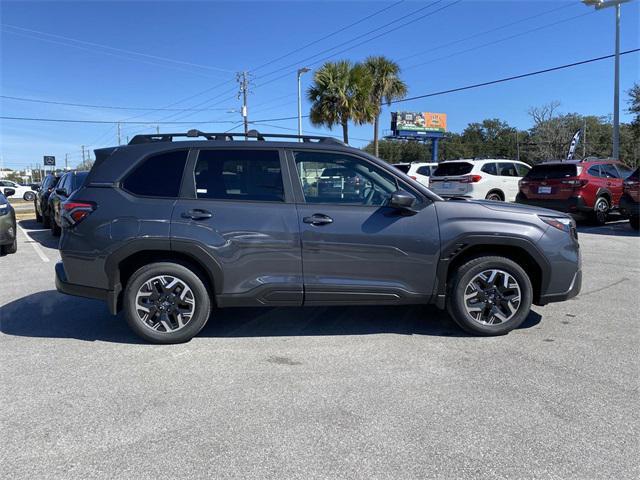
<point x="385" y="393"/>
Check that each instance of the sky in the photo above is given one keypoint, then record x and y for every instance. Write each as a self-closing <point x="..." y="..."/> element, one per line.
<point x="185" y="55"/>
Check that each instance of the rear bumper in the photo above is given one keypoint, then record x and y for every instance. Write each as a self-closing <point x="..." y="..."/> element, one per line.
<point x="575" y="205"/>
<point x="629" y="207"/>
<point x="63" y="286"/>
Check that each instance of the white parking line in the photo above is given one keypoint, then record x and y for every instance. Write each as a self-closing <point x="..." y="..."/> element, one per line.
<point x="35" y="245"/>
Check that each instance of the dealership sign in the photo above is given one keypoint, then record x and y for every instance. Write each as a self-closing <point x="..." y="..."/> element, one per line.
<point x="418" y="122"/>
<point x="49" y="160"/>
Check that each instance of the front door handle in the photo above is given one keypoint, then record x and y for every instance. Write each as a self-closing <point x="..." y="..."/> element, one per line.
<point x="197" y="214"/>
<point x="318" y="219"/>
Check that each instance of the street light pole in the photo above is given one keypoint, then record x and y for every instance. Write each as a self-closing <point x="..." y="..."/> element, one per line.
<point x="301" y="71"/>
<point x="600" y="4"/>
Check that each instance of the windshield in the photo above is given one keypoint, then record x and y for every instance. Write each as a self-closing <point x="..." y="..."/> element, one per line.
<point x="453" y="168"/>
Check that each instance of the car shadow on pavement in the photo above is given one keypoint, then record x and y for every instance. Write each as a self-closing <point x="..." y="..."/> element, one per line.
<point x="612" y="229"/>
<point x="50" y="314"/>
<point x="40" y="234"/>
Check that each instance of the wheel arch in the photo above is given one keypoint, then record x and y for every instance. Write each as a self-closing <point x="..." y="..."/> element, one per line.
<point x="498" y="191"/>
<point x="520" y="250"/>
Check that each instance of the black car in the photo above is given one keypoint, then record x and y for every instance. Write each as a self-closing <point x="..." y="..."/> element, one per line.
<point x="68" y="183"/>
<point x="41" y="202"/>
<point x="8" y="234"/>
<point x="168" y="231"/>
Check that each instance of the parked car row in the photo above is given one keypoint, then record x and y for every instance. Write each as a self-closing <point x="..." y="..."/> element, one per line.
<point x="587" y="189"/>
<point x="54" y="191"/>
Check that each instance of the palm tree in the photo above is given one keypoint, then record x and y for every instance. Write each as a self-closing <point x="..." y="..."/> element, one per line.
<point x="386" y="87"/>
<point x="340" y="93"/>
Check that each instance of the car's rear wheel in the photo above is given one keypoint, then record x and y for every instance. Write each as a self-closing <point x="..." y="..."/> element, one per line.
<point x="490" y="296"/>
<point x="166" y="303"/>
<point x="495" y="196"/>
<point x="600" y="211"/>
<point x="634" y="222"/>
<point x="29" y="196"/>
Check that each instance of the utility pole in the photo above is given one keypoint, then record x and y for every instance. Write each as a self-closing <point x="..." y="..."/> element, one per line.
<point x="243" y="79"/>
<point x="66" y="161"/>
<point x="157" y="130"/>
<point x="82" y="153"/>
<point x="517" y="146"/>
<point x="584" y="138"/>
<point x="119" y="142"/>
<point x="301" y="71"/>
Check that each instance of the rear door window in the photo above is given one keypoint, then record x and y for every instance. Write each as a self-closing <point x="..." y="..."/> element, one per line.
<point x="450" y="169"/>
<point x="507" y="169"/>
<point x="158" y="175"/>
<point x="78" y="180"/>
<point x="424" y="170"/>
<point x="594" y="170"/>
<point x="555" y="171"/>
<point x="253" y="175"/>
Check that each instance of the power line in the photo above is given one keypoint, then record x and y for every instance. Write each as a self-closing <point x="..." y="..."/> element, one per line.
<point x="130" y="52"/>
<point x="515" y="77"/>
<point x="335" y="32"/>
<point x="112" y="107"/>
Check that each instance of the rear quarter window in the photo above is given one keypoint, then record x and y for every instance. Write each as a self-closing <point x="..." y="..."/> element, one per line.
<point x="158" y="175"/>
<point x="453" y="169"/>
<point x="424" y="170"/>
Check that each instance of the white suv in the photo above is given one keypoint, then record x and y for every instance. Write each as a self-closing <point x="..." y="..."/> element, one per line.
<point x="22" y="191"/>
<point x="420" y="171"/>
<point x="487" y="178"/>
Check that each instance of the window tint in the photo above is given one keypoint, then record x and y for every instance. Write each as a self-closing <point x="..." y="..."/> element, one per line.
<point x="625" y="172"/>
<point x="594" y="170"/>
<point x="239" y="175"/>
<point x="558" y="170"/>
<point x="507" y="169"/>
<point x="78" y="180"/>
<point x="609" y="171"/>
<point x="489" y="168"/>
<point x="336" y="178"/>
<point x="158" y="176"/>
<point x="424" y="170"/>
<point x="64" y="183"/>
<point x="522" y="169"/>
<point x="453" y="168"/>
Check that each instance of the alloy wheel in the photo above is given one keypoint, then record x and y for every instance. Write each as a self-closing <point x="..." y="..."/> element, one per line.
<point x="602" y="209"/>
<point x="492" y="297"/>
<point x="165" y="303"/>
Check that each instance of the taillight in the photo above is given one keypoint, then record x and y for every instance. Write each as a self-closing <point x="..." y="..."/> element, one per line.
<point x="523" y="183"/>
<point x="630" y="183"/>
<point x="575" y="182"/>
<point x="73" y="212"/>
<point x="415" y="178"/>
<point x="471" y="179"/>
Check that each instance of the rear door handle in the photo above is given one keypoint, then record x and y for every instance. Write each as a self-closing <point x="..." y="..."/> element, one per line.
<point x="197" y="214"/>
<point x="318" y="219"/>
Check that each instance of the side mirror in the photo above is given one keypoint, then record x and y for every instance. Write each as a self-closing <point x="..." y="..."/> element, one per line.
<point x="8" y="192"/>
<point x="61" y="191"/>
<point x="402" y="200"/>
<point x="35" y="188"/>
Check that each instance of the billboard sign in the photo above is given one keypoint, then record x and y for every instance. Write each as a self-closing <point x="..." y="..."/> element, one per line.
<point x="49" y="160"/>
<point x="419" y="122"/>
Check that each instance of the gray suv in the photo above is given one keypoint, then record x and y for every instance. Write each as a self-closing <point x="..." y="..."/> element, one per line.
<point x="169" y="230"/>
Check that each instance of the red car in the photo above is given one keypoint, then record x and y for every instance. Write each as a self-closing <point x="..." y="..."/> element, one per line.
<point x="630" y="201"/>
<point x="590" y="188"/>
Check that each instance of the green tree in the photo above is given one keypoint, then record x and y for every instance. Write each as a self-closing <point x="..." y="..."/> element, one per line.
<point x="386" y="87"/>
<point x="340" y="93"/>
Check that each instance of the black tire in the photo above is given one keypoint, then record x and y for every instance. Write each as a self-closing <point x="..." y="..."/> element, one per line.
<point x="600" y="212"/>
<point x="495" y="195"/>
<point x="634" y="221"/>
<point x="29" y="196"/>
<point x="55" y="229"/>
<point x="466" y="273"/>
<point x="202" y="303"/>
<point x="46" y="221"/>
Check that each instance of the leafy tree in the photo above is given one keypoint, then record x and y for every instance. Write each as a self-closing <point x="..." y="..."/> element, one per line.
<point x="340" y="93"/>
<point x="386" y="87"/>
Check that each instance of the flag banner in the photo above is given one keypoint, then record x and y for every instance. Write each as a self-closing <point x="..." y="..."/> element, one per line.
<point x="574" y="142"/>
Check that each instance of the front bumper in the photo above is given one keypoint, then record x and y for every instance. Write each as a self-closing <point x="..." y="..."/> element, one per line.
<point x="574" y="289"/>
<point x="63" y="286"/>
<point x="629" y="207"/>
<point x="7" y="228"/>
<point x="574" y="205"/>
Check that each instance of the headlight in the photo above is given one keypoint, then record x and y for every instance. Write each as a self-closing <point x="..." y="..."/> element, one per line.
<point x="4" y="208"/>
<point x="561" y="223"/>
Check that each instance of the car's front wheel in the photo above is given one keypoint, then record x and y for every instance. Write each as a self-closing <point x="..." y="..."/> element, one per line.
<point x="490" y="296"/>
<point x="166" y="303"/>
<point x="29" y="196"/>
<point x="600" y="211"/>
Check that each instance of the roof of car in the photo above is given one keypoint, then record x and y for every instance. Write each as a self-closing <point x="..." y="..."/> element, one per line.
<point x="587" y="160"/>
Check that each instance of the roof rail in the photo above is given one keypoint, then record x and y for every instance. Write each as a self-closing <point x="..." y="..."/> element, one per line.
<point x="228" y="136"/>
